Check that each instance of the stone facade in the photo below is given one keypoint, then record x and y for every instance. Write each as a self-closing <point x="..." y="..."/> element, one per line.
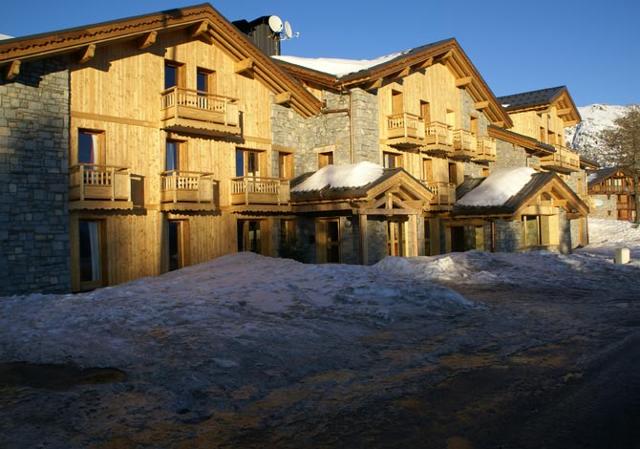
<point x="34" y="148"/>
<point x="509" y="155"/>
<point x="508" y="235"/>
<point x="603" y="206"/>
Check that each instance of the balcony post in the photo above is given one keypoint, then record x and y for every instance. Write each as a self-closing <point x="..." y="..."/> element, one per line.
<point x="81" y="182"/>
<point x="174" y="185"/>
<point x="245" y="183"/>
<point x="113" y="183"/>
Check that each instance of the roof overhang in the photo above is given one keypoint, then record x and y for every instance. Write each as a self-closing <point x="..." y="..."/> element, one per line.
<point x="528" y="143"/>
<point x="203" y="22"/>
<point x="562" y="100"/>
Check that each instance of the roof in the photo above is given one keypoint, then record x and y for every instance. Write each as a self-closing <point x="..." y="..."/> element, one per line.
<point x="524" y="141"/>
<point x="447" y="51"/>
<point x="605" y="173"/>
<point x="333" y="193"/>
<point x="514" y="203"/>
<point x="543" y="98"/>
<point x="202" y="19"/>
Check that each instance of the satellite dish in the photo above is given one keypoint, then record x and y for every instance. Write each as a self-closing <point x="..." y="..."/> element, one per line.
<point x="287" y="29"/>
<point x="275" y="23"/>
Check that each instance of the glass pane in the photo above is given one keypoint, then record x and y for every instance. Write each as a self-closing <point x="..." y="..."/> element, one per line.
<point x="239" y="163"/>
<point x="170" y="76"/>
<point x="252" y="164"/>
<point x="90" y="260"/>
<point x="171" y="161"/>
<point x="202" y="78"/>
<point x="86" y="151"/>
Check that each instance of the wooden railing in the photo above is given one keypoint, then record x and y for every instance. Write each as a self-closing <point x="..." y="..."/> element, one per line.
<point x="99" y="182"/>
<point x="177" y="102"/>
<point x="405" y="125"/>
<point x="486" y="149"/>
<point x="259" y="190"/>
<point x="610" y="189"/>
<point x="178" y="186"/>
<point x="438" y="133"/>
<point x="464" y="142"/>
<point x="563" y="158"/>
<point x="444" y="193"/>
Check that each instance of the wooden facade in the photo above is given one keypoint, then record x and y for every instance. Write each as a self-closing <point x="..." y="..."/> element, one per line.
<point x="614" y="187"/>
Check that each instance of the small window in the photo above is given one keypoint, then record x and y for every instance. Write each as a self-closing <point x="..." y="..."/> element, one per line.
<point x="397" y="102"/>
<point x="172" y="158"/>
<point x="390" y="160"/>
<point x="473" y="125"/>
<point x="89" y="147"/>
<point x="485" y="172"/>
<point x="427" y="170"/>
<point x="171" y="74"/>
<point x="205" y="81"/>
<point x="325" y="159"/>
<point x="247" y="163"/>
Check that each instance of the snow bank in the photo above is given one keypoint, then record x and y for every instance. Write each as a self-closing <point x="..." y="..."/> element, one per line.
<point x="336" y="66"/>
<point x="341" y="176"/>
<point x="499" y="186"/>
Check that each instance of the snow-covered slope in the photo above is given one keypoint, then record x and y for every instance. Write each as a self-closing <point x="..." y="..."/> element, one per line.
<point x="5" y="36"/>
<point x="584" y="136"/>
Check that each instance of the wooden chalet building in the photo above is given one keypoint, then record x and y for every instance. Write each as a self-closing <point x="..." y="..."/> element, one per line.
<point x="612" y="194"/>
<point x="138" y="146"/>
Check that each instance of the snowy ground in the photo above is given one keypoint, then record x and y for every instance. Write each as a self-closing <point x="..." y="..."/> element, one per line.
<point x="458" y="351"/>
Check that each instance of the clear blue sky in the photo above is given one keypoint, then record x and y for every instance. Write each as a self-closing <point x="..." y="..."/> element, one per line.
<point x="593" y="47"/>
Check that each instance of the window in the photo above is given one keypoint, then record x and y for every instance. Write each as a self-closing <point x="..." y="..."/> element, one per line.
<point x="172" y="155"/>
<point x="249" y="236"/>
<point x="178" y="244"/>
<point x="172" y="74"/>
<point x="247" y="163"/>
<point x="485" y="172"/>
<point x="531" y="229"/>
<point x="395" y="238"/>
<point x="89" y="147"/>
<point x="205" y="81"/>
<point x="427" y="170"/>
<point x="397" y="102"/>
<point x="473" y="125"/>
<point x="390" y="160"/>
<point x="91" y="254"/>
<point x="285" y="165"/>
<point x="453" y="173"/>
<point x="425" y="111"/>
<point x="325" y="159"/>
<point x="451" y="119"/>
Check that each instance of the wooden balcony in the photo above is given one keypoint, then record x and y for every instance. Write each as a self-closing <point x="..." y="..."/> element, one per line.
<point x="194" y="112"/>
<point x="444" y="193"/>
<point x="258" y="191"/>
<point x="465" y="144"/>
<point x="563" y="160"/>
<point x="438" y="138"/>
<point x="486" y="149"/>
<point x="610" y="189"/>
<point x="99" y="187"/>
<point x="188" y="191"/>
<point x="405" y="130"/>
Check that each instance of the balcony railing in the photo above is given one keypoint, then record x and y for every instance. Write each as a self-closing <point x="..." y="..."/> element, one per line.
<point x="464" y="143"/>
<point x="405" y="129"/>
<point x="444" y="193"/>
<point x="563" y="159"/>
<point x="187" y="190"/>
<point x="106" y="186"/>
<point x="486" y="149"/>
<point x="186" y="108"/>
<point x="438" y="134"/>
<point x="250" y="190"/>
<point x="609" y="189"/>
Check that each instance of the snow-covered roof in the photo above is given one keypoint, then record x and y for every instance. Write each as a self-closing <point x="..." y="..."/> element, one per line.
<point x="341" y="176"/>
<point x="336" y="66"/>
<point x="499" y="186"/>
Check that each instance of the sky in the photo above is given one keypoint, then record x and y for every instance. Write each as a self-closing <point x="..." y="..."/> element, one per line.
<point x="592" y="47"/>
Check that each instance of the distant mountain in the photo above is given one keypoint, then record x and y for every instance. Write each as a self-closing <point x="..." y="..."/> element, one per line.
<point x="584" y="136"/>
<point x="5" y="36"/>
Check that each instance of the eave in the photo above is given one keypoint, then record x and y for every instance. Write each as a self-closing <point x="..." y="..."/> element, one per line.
<point x="215" y="28"/>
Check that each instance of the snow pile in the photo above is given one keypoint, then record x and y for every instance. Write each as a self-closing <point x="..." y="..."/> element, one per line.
<point x="336" y="66"/>
<point x="341" y="176"/>
<point x="584" y="136"/>
<point x="608" y="232"/>
<point x="499" y="186"/>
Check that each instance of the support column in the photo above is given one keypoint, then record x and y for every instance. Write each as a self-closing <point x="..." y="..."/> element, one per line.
<point x="362" y="224"/>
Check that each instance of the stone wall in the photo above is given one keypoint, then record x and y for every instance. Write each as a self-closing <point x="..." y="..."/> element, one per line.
<point x="508" y="236"/>
<point x="376" y="240"/>
<point x="34" y="148"/>
<point x="509" y="155"/>
<point x="603" y="206"/>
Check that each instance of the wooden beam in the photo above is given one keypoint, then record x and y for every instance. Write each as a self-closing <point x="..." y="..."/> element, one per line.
<point x="395" y="211"/>
<point x="464" y="82"/>
<point x="148" y="40"/>
<point x="480" y="105"/>
<point x="201" y="31"/>
<point x="377" y="84"/>
<point x="444" y="58"/>
<point x="283" y="98"/>
<point x="426" y="63"/>
<point x="87" y="54"/>
<point x="404" y="72"/>
<point x="565" y="111"/>
<point x="13" y="70"/>
<point x="245" y="66"/>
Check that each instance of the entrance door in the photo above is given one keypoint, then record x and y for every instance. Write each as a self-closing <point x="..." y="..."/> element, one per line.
<point x="91" y="254"/>
<point x="328" y="241"/>
<point x="178" y="244"/>
<point x="249" y="236"/>
<point x="395" y="238"/>
<point x="457" y="239"/>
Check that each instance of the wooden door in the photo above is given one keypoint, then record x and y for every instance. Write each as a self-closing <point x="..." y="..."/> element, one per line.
<point x="396" y="242"/>
<point x="425" y="112"/>
<point x="328" y="241"/>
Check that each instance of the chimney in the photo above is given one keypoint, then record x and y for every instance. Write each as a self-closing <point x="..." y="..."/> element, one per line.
<point x="259" y="32"/>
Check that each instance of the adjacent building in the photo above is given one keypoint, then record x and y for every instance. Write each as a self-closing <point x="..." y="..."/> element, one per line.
<point x="612" y="194"/>
<point x="138" y="146"/>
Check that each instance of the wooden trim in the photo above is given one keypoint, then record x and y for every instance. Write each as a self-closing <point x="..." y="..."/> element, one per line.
<point x="113" y="119"/>
<point x="244" y="66"/>
<point x="283" y="98"/>
<point x="148" y="40"/>
<point x="87" y="54"/>
<point x="13" y="70"/>
<point x="464" y="82"/>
